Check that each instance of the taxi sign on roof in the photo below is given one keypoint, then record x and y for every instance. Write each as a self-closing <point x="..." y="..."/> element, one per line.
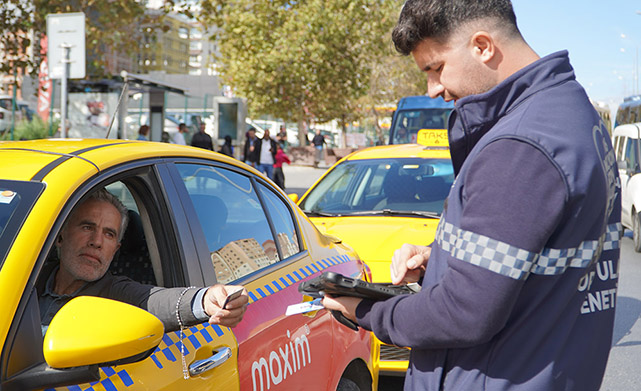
<point x="433" y="138"/>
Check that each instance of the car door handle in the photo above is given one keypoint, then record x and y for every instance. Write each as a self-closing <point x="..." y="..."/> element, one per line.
<point x="212" y="362"/>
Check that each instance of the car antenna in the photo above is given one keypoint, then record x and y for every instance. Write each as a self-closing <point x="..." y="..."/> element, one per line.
<point x="122" y="93"/>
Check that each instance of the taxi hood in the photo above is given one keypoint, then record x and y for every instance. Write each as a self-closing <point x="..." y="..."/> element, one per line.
<point x="376" y="238"/>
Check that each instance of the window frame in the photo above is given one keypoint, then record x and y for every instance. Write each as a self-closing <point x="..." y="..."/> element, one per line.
<point x="200" y="243"/>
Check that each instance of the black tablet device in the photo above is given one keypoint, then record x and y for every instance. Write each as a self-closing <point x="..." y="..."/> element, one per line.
<point x="335" y="284"/>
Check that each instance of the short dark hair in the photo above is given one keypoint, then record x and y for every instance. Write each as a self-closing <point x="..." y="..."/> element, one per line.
<point x="438" y="19"/>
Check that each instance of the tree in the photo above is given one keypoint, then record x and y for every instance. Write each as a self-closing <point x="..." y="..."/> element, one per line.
<point x="300" y="61"/>
<point x="111" y="26"/>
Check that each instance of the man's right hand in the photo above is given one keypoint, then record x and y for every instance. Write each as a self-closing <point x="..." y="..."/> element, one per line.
<point x="408" y="263"/>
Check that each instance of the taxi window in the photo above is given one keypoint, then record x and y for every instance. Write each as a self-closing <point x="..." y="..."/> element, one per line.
<point x="283" y="224"/>
<point x="382" y="185"/>
<point x="236" y="228"/>
<point x="16" y="199"/>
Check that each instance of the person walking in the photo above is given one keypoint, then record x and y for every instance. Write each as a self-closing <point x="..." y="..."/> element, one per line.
<point x="179" y="136"/>
<point x="227" y="148"/>
<point x="519" y="285"/>
<point x="143" y="133"/>
<point x="279" y="175"/>
<point x="319" y="142"/>
<point x="266" y="155"/>
<point x="251" y="149"/>
<point x="202" y="139"/>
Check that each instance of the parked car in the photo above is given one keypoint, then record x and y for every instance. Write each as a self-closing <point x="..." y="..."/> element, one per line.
<point x="22" y="111"/>
<point x="196" y="218"/>
<point x="627" y="148"/>
<point x="378" y="198"/>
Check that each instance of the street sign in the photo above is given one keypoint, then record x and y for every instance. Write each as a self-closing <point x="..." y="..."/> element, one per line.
<point x="66" y="31"/>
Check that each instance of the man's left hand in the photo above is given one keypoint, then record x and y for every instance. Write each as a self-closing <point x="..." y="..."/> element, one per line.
<point x="215" y="298"/>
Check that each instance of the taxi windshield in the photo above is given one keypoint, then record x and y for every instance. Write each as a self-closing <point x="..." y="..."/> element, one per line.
<point x="409" y="122"/>
<point x="394" y="186"/>
<point x="16" y="199"/>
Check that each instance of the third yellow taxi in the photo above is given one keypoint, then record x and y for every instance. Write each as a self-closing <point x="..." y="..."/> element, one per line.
<point x="378" y="198"/>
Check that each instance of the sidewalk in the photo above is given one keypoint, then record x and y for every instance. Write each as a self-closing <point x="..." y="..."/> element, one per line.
<point x="299" y="178"/>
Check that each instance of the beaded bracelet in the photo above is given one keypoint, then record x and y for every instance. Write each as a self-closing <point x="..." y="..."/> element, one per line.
<point x="182" y="327"/>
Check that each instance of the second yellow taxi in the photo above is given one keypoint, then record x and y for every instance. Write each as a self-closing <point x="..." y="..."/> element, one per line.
<point x="378" y="198"/>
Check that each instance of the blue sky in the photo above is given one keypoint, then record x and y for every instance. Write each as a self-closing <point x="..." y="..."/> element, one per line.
<point x="602" y="36"/>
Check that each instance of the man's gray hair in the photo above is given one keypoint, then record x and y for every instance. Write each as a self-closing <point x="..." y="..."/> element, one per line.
<point x="103" y="195"/>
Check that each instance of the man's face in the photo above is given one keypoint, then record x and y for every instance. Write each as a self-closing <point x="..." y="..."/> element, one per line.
<point x="266" y="134"/>
<point x="89" y="241"/>
<point x="453" y="69"/>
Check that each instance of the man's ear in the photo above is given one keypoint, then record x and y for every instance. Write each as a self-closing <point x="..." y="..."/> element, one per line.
<point x="58" y="240"/>
<point x="483" y="46"/>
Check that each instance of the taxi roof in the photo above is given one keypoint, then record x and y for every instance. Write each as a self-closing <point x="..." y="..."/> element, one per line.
<point x="400" y="150"/>
<point x="34" y="159"/>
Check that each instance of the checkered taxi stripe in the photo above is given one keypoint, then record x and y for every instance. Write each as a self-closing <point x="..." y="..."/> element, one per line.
<point x="194" y="337"/>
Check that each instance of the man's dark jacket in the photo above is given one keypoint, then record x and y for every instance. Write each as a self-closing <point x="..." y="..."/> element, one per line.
<point x="520" y="288"/>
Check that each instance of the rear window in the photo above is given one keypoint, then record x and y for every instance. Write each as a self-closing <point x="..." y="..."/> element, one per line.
<point x="16" y="200"/>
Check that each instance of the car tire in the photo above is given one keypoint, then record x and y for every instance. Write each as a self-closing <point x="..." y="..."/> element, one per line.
<point x="347" y="385"/>
<point x="636" y="231"/>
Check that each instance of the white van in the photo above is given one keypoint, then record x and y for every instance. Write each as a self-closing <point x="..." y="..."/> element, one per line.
<point x="627" y="147"/>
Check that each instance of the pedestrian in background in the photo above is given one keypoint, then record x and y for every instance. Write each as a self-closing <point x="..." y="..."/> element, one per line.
<point x="267" y="155"/>
<point x="227" y="148"/>
<point x="202" y="139"/>
<point x="251" y="149"/>
<point x="279" y="175"/>
<point x="528" y="241"/>
<point x="319" y="142"/>
<point x="143" y="133"/>
<point x="281" y="137"/>
<point x="179" y="137"/>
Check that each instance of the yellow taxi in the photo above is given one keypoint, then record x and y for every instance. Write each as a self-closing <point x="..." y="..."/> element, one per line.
<point x="378" y="198"/>
<point x="196" y="218"/>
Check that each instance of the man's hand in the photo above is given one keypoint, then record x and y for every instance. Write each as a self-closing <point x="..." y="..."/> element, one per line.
<point x="408" y="263"/>
<point x="345" y="304"/>
<point x="215" y="298"/>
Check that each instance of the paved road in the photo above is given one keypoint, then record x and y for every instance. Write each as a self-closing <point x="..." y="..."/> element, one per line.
<point x="623" y="372"/>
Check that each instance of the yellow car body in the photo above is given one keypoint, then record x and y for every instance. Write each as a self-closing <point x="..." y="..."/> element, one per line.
<point x="348" y="202"/>
<point x="100" y="344"/>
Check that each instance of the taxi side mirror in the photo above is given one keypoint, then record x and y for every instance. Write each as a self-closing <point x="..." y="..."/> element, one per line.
<point x="92" y="330"/>
<point x="293" y="197"/>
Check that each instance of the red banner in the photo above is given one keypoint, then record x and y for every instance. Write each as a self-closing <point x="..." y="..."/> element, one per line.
<point x="45" y="86"/>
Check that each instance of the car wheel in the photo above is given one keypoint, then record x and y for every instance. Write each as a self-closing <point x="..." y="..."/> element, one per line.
<point x="636" y="231"/>
<point x="347" y="385"/>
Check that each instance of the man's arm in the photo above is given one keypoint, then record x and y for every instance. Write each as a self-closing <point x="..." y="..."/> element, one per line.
<point x="514" y="195"/>
<point x="167" y="303"/>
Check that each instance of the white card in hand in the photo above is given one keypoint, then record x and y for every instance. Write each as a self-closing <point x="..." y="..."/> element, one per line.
<point x="302" y="308"/>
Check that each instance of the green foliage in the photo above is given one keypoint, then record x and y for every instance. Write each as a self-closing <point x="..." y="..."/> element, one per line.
<point x="110" y="25"/>
<point x="301" y="60"/>
<point x="30" y="130"/>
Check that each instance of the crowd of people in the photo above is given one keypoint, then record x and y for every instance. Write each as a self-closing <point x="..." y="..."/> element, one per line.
<point x="266" y="154"/>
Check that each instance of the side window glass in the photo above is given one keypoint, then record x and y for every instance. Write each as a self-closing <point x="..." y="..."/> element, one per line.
<point x="238" y="234"/>
<point x="631" y="154"/>
<point x="282" y="220"/>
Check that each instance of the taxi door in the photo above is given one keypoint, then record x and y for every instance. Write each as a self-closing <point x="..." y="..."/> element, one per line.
<point x="201" y="357"/>
<point x="252" y="239"/>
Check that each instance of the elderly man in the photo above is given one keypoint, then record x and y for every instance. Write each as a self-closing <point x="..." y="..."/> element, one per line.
<point x="87" y="244"/>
